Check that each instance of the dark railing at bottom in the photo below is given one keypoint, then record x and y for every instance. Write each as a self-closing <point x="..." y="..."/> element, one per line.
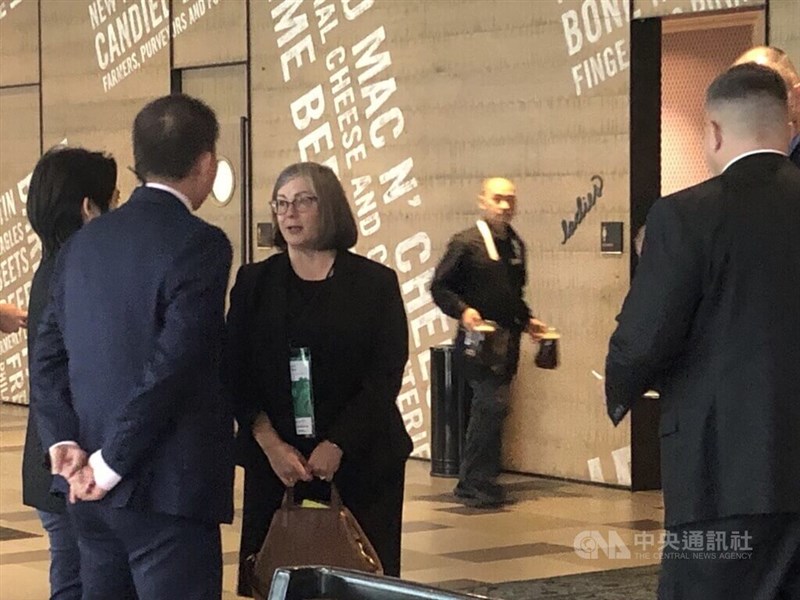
<point x="327" y="583"/>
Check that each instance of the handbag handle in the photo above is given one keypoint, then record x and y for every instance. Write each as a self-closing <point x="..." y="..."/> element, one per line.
<point x="336" y="499"/>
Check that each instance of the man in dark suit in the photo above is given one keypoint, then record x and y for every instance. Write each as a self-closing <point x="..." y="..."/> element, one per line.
<point x="126" y="372"/>
<point x="777" y="60"/>
<point x="712" y="319"/>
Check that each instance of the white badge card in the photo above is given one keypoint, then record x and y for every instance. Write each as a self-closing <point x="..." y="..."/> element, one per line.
<point x="302" y="392"/>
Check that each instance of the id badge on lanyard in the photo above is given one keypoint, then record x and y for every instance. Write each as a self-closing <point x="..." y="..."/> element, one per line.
<point x="302" y="391"/>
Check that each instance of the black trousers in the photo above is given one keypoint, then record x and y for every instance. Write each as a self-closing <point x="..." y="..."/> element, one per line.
<point x="375" y="501"/>
<point x="752" y="557"/>
<point x="481" y="461"/>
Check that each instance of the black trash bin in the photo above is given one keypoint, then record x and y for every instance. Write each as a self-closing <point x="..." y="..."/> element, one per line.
<point x="449" y="411"/>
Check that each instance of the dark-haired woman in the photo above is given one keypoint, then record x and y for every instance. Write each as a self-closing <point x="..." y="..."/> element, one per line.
<point x="316" y="299"/>
<point x="69" y="187"/>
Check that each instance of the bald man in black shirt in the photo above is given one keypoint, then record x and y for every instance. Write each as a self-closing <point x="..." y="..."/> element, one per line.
<point x="482" y="277"/>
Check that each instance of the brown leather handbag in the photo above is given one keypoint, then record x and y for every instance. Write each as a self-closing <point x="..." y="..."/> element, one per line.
<point x="300" y="536"/>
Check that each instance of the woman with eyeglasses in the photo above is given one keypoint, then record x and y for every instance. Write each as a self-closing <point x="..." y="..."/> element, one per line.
<point x="316" y="347"/>
<point x="69" y="187"/>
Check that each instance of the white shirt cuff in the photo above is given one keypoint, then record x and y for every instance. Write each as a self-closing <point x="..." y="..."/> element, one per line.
<point x="104" y="476"/>
<point x="64" y="443"/>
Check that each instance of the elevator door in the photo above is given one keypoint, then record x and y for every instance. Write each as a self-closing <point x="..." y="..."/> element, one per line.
<point x="693" y="52"/>
<point x="225" y="90"/>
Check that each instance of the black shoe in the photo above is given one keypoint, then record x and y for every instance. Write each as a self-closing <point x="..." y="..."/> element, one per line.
<point x="484" y="500"/>
<point x="490" y="496"/>
<point x="496" y="491"/>
<point x="463" y="492"/>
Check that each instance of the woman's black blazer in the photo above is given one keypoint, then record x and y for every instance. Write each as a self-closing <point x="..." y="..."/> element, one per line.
<point x="364" y="320"/>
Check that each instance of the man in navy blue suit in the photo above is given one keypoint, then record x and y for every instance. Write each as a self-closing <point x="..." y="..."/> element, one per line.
<point x="128" y="397"/>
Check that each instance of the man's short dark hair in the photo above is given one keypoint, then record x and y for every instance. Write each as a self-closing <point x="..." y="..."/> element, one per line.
<point x="337" y="226"/>
<point x="170" y="134"/>
<point x="749" y="81"/>
<point x="62" y="178"/>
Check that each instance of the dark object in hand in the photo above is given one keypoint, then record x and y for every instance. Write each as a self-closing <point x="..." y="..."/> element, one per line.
<point x="547" y="357"/>
<point x="487" y="346"/>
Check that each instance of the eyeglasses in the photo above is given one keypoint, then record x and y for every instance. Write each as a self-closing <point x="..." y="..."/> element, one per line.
<point x="301" y="203"/>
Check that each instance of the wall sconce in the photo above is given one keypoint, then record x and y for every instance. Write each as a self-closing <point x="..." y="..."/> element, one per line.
<point x="224" y="182"/>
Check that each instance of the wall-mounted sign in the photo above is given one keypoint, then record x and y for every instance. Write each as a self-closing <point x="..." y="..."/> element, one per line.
<point x="611" y="234"/>
<point x="224" y="183"/>
<point x="264" y="235"/>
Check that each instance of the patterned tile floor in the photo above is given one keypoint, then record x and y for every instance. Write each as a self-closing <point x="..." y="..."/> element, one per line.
<point x="444" y="543"/>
